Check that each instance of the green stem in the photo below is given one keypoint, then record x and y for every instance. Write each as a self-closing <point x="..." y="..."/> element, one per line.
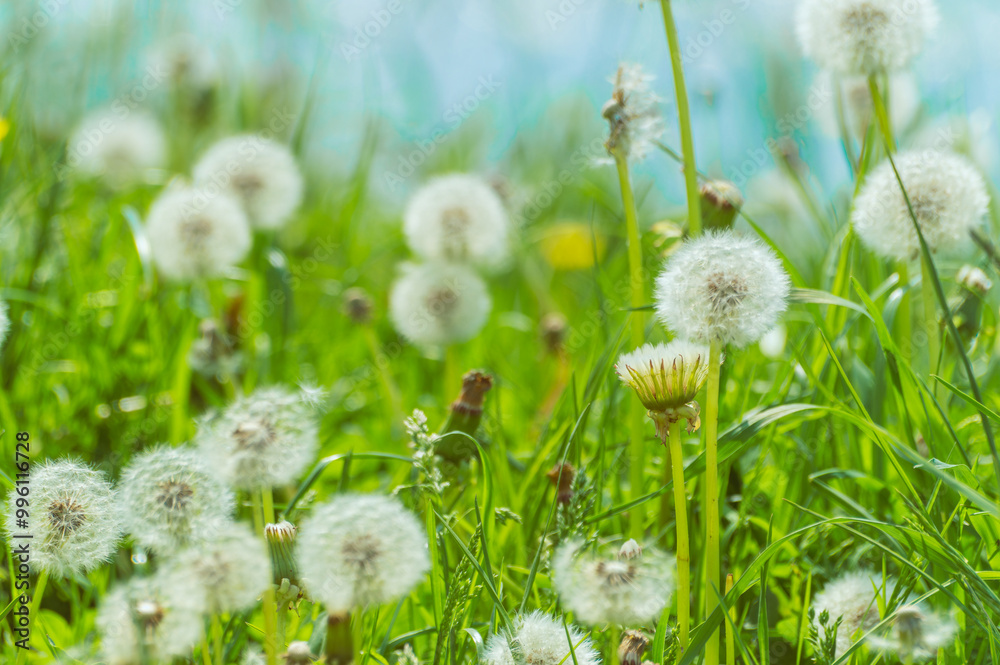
<point x="615" y="637"/>
<point x="904" y="313"/>
<point x="683" y="544"/>
<point x="712" y="563"/>
<point x="271" y="635"/>
<point x="389" y="386"/>
<point x="33" y="606"/>
<point x="730" y="633"/>
<point x="452" y="374"/>
<point x="206" y="656"/>
<point x="930" y="322"/>
<point x="637" y="459"/>
<point x="684" y="120"/>
<point x="358" y="634"/>
<point x="217" y="639"/>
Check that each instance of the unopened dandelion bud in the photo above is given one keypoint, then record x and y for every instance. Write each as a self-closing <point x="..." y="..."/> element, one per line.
<point x="562" y="476"/>
<point x="630" y="549"/>
<point x="298" y="653"/>
<point x="632" y="647"/>
<point x="358" y="305"/>
<point x="720" y="202"/>
<point x="280" y="540"/>
<point x="465" y="417"/>
<point x="552" y="329"/>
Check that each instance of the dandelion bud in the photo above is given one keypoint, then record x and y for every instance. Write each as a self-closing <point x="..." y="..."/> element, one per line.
<point x="280" y="540"/>
<point x="666" y="378"/>
<point x="630" y="550"/>
<point x="601" y="589"/>
<point x="358" y="305"/>
<point x="562" y="476"/>
<point x="553" y="329"/>
<point x="720" y="202"/>
<point x="298" y="654"/>
<point x="539" y="639"/>
<point x="948" y="196"/>
<point x="465" y="416"/>
<point x="722" y="287"/>
<point x="459" y="218"/>
<point x="864" y="36"/>
<point x="259" y="173"/>
<point x="196" y="233"/>
<point x="632" y="647"/>
<point x="74" y="526"/>
<point x="632" y="113"/>
<point x="439" y="303"/>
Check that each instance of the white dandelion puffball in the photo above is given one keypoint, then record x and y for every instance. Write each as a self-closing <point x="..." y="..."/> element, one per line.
<point x="458" y="217"/>
<point x="439" y="303"/>
<point x="851" y="597"/>
<point x="917" y="633"/>
<point x="73" y="518"/>
<point x="160" y="615"/>
<point x="169" y="498"/>
<point x="231" y="570"/>
<point x="194" y="233"/>
<point x="903" y="102"/>
<point x="948" y="196"/>
<point x="864" y="36"/>
<point x="265" y="439"/>
<point x="117" y="145"/>
<point x="633" y="113"/>
<point x="185" y="61"/>
<point x="258" y="172"/>
<point x="722" y="287"/>
<point x="610" y="589"/>
<point x="539" y="639"/>
<point x="664" y="376"/>
<point x="361" y="550"/>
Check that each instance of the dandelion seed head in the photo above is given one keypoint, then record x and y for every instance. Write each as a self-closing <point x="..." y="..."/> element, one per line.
<point x="539" y="639"/>
<point x="722" y="287"/>
<point x="74" y="523"/>
<point x="917" y="633"/>
<point x="602" y="589"/>
<point x="230" y="570"/>
<point x="265" y="439"/>
<point x="361" y="550"/>
<point x="186" y="61"/>
<point x="973" y="279"/>
<point x="632" y="113"/>
<point x="948" y="196"/>
<point x="439" y="303"/>
<point x="260" y="173"/>
<point x="195" y="234"/>
<point x="161" y="614"/>
<point x="458" y="218"/>
<point x="119" y="148"/>
<point x="864" y="36"/>
<point x="170" y="498"/>
<point x="851" y="597"/>
<point x="664" y="376"/>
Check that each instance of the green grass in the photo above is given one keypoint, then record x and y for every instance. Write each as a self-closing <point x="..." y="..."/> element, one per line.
<point x="841" y="453"/>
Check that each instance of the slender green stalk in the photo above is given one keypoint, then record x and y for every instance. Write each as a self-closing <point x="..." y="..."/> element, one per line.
<point x="730" y="634"/>
<point x="712" y="560"/>
<point x="452" y="374"/>
<point x="217" y="639"/>
<point x="683" y="542"/>
<point x="904" y="314"/>
<point x="206" y="656"/>
<point x="358" y="635"/>
<point x="684" y="120"/>
<point x="33" y="607"/>
<point x="389" y="386"/>
<point x="930" y="322"/>
<point x="637" y="459"/>
<point x="270" y="603"/>
<point x="615" y="637"/>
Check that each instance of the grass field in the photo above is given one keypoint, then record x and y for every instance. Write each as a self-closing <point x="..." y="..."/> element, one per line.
<point x="856" y="437"/>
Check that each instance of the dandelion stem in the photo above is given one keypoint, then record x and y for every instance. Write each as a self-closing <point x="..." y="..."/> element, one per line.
<point x="636" y="416"/>
<point x="712" y="567"/>
<point x="358" y="635"/>
<point x="930" y="322"/>
<point x="271" y="635"/>
<point x="683" y="544"/>
<point x="730" y="633"/>
<point x="217" y="639"/>
<point x="684" y="120"/>
<point x="36" y="603"/>
<point x="395" y="407"/>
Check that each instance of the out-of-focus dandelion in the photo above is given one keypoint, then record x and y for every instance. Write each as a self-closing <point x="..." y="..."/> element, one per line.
<point x="74" y="524"/>
<point x="864" y="36"/>
<point x="458" y="218"/>
<point x="616" y="590"/>
<point x="258" y="172"/>
<point x="721" y="201"/>
<point x="213" y="353"/>
<point x="948" y="195"/>
<point x="633" y="114"/>
<point x="150" y="619"/>
<point x="230" y="570"/>
<point x="361" y="550"/>
<point x="170" y="498"/>
<point x="852" y="599"/>
<point x="117" y="145"/>
<point x="185" y="61"/>
<point x="298" y="653"/>
<point x="858" y="107"/>
<point x="722" y="287"/>
<point x="917" y="633"/>
<point x="263" y="440"/>
<point x="570" y="245"/>
<point x="539" y="639"/>
<point x="439" y="303"/>
<point x="196" y="234"/>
